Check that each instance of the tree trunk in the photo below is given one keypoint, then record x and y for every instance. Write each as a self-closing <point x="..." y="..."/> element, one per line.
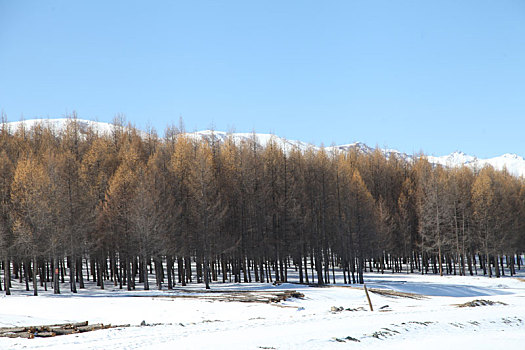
<point x="35" y="283"/>
<point x="300" y="267"/>
<point x="128" y="273"/>
<point x="72" y="274"/>
<point x="169" y="270"/>
<point x="487" y="264"/>
<point x="206" y="272"/>
<point x="7" y="277"/>
<point x="159" y="270"/>
<point x="56" y="276"/>
<point x="145" y="273"/>
<point x="100" y="270"/>
<point x="80" y="273"/>
<point x="496" y="266"/>
<point x="305" y="260"/>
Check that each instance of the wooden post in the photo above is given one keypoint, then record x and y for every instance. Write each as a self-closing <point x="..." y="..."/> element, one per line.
<point x="368" y="298"/>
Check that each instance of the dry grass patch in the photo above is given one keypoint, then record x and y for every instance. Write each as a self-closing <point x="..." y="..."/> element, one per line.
<point x="480" y="302"/>
<point x="393" y="293"/>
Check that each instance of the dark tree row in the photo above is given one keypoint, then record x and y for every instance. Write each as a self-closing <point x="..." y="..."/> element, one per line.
<point x="118" y="207"/>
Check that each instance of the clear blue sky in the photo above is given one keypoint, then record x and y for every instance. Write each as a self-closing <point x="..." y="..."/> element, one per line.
<point x="436" y="76"/>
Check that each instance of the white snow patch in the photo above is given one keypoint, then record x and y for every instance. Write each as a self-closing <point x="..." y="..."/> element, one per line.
<point x="189" y="323"/>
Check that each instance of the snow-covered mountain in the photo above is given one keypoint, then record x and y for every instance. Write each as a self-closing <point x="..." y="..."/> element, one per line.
<point x="262" y="139"/>
<point x="514" y="163"/>
<point x="60" y="124"/>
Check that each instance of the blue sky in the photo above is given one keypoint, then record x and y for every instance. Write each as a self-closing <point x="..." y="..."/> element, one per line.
<point x="436" y="76"/>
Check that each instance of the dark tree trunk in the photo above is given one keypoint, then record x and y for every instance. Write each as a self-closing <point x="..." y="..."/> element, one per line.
<point x="145" y="273"/>
<point x="319" y="268"/>
<point x="7" y="277"/>
<point x="56" y="277"/>
<point x="169" y="271"/>
<point x="206" y="273"/>
<point x="300" y="267"/>
<point x="181" y="271"/>
<point x="305" y="260"/>
<point x="72" y="274"/>
<point x="26" y="274"/>
<point x="80" y="273"/>
<point x="35" y="283"/>
<point x="187" y="264"/>
<point x="159" y="271"/>
<point x="100" y="269"/>
<point x="128" y="273"/>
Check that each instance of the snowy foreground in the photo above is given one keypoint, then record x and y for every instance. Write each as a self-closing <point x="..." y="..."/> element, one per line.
<point x="181" y="319"/>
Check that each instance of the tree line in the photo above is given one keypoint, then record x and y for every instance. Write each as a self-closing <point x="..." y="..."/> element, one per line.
<point x="78" y="204"/>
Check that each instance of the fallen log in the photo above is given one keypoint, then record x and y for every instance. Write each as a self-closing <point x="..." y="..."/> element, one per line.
<point x="64" y="331"/>
<point x="30" y="332"/>
<point x="12" y="329"/>
<point x="73" y="325"/>
<point x="44" y="334"/>
<point x="238" y="296"/>
<point x="42" y="328"/>
<point x="65" y="325"/>
<point x="90" y="328"/>
<point x="26" y="335"/>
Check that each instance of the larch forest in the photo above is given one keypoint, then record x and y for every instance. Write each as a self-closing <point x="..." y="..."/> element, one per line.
<point x="116" y="208"/>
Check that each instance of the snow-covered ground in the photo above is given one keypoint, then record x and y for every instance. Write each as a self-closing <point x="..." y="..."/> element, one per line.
<point x="431" y="322"/>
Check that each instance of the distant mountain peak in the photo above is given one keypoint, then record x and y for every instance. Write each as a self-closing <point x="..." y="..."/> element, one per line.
<point x="514" y="163"/>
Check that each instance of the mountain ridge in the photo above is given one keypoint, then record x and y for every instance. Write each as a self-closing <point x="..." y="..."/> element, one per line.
<point x="514" y="163"/>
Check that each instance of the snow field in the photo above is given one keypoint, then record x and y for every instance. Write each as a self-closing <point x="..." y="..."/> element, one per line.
<point x="192" y="323"/>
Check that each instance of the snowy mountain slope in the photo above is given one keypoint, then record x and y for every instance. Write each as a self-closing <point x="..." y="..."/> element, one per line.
<point x="60" y="124"/>
<point x="512" y="162"/>
<point x="261" y="139"/>
<point x="264" y="139"/>
<point x="515" y="164"/>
